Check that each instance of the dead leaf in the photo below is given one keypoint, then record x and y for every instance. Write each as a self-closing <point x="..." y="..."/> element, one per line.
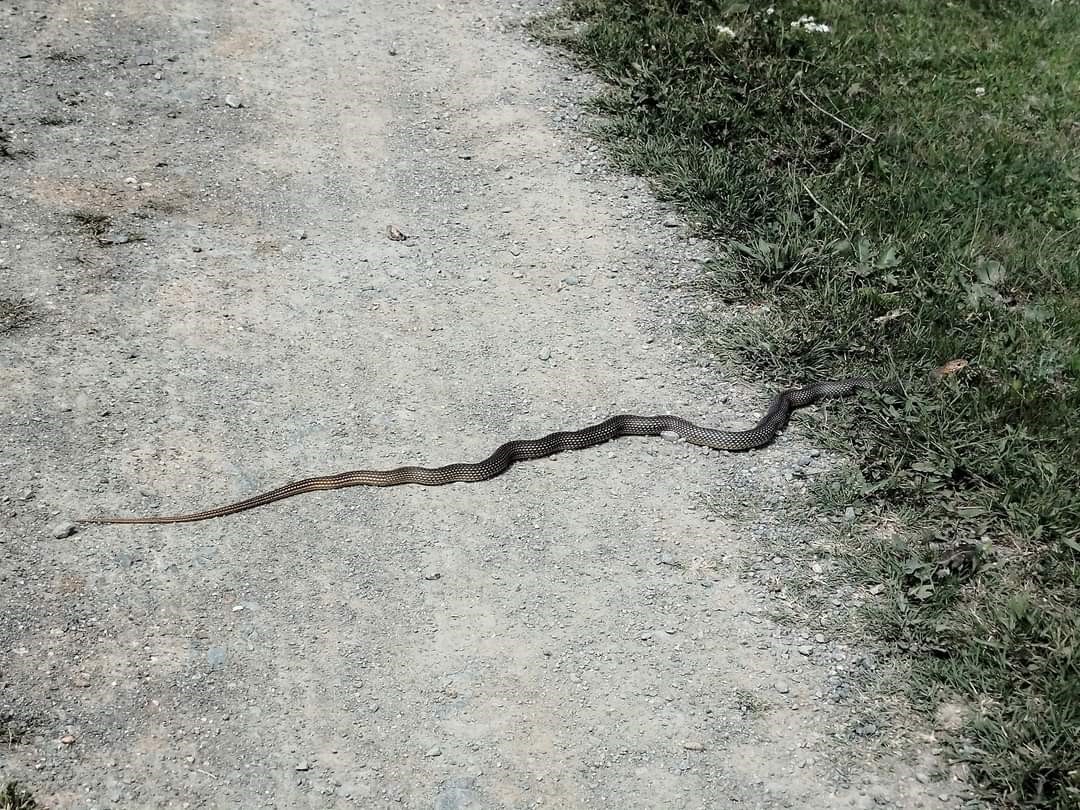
<point x="395" y="234"/>
<point x="891" y="316"/>
<point x="949" y="368"/>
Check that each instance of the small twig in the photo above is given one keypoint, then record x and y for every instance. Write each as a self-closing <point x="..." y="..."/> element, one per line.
<point x="825" y="208"/>
<point x="838" y="120"/>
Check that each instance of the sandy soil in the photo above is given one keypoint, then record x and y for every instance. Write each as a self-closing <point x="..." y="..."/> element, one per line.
<point x="200" y="300"/>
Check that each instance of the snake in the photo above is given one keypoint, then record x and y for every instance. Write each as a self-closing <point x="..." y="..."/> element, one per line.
<point x="763" y="433"/>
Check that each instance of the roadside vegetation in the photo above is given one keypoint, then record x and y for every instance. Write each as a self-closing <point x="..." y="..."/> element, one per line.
<point x="12" y="797"/>
<point x="895" y="190"/>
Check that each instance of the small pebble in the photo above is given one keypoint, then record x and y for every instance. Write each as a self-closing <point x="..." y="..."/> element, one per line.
<point x="671" y="222"/>
<point x="805" y="649"/>
<point x="434" y="751"/>
<point x="303" y="766"/>
<point x="669" y="436"/>
<point x="545" y="354"/>
<point x="694" y="745"/>
<point x="233" y="101"/>
<point x="849" y="514"/>
<point x="782" y="687"/>
<point x="431" y="576"/>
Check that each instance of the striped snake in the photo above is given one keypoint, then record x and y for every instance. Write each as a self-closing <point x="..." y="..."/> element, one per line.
<point x="761" y="434"/>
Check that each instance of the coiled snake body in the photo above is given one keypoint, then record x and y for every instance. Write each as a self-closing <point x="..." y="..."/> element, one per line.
<point x="761" y="434"/>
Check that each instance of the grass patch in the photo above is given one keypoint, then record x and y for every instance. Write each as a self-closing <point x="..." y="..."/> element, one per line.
<point x="95" y="223"/>
<point x="8" y="152"/>
<point x="902" y="192"/>
<point x="65" y="56"/>
<point x="15" y="313"/>
<point x="13" y="797"/>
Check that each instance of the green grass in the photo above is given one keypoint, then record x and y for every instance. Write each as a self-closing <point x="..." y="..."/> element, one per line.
<point x="12" y="797"/>
<point x="902" y="192"/>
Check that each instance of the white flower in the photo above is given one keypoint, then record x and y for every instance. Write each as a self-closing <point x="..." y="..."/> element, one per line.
<point x="807" y="23"/>
<point x="980" y="91"/>
<point x="723" y="29"/>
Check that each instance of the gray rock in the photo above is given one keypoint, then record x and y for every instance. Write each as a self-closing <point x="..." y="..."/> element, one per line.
<point x="215" y="656"/>
<point x="65" y="529"/>
<point x="233" y="101"/>
<point x="782" y="687"/>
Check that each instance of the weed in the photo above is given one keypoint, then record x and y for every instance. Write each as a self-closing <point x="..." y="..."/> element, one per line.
<point x="14" y="314"/>
<point x="748" y="703"/>
<point x="13" y="797"/>
<point x="94" y="222"/>
<point x="64" y="56"/>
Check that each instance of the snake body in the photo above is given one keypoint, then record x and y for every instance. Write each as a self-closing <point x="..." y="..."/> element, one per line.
<point x="761" y="434"/>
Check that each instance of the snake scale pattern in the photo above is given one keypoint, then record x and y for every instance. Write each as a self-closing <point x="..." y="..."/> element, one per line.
<point x="761" y="434"/>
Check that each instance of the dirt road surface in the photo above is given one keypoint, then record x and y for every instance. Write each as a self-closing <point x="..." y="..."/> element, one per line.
<point x="201" y="300"/>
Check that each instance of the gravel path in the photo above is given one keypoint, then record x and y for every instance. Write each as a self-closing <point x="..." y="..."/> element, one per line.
<point x="200" y="299"/>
